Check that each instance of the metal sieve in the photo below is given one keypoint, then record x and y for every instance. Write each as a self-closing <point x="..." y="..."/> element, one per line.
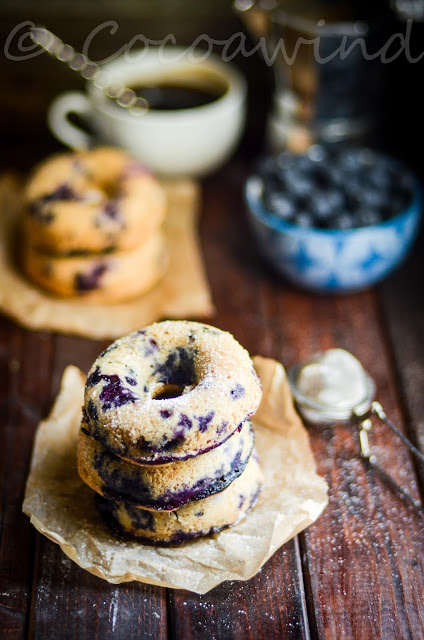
<point x="359" y="413"/>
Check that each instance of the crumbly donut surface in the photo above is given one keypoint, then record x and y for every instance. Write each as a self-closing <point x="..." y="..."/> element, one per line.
<point x="164" y="487"/>
<point x="169" y="392"/>
<point x="192" y="520"/>
<point x="91" y="201"/>
<point x="109" y="278"/>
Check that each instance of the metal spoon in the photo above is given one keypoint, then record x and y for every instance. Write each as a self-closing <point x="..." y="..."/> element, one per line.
<point x="89" y="70"/>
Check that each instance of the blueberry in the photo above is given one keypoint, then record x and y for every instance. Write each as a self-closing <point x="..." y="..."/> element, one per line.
<point x="340" y="189"/>
<point x="379" y="178"/>
<point x="150" y="347"/>
<point x="342" y="221"/>
<point x="92" y="412"/>
<point x="222" y="427"/>
<point x="91" y="280"/>
<point x="336" y="176"/>
<point x="353" y="160"/>
<point x="289" y="161"/>
<point x="373" y="198"/>
<point x="292" y="175"/>
<point x="353" y="189"/>
<point x="317" y="153"/>
<point x="37" y="207"/>
<point x="204" y="421"/>
<point x="94" y="378"/>
<point x="238" y="392"/>
<point x="63" y="192"/>
<point x="302" y="162"/>
<point x="185" y="421"/>
<point x="111" y="209"/>
<point x="367" y="217"/>
<point x="114" y="393"/>
<point x="322" y="205"/>
<point x="336" y="198"/>
<point x="353" y="182"/>
<point x="281" y="205"/>
<point x="300" y="186"/>
<point x="304" y="219"/>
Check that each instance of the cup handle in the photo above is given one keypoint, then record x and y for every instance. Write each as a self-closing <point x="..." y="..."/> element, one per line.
<point x="61" y="127"/>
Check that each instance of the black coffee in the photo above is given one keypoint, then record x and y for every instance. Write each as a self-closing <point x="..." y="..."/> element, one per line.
<point x="169" y="97"/>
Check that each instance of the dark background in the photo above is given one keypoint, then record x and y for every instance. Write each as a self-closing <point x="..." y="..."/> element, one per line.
<point x="28" y="86"/>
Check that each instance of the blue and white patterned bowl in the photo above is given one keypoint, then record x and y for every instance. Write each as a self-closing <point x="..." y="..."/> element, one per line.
<point x="332" y="261"/>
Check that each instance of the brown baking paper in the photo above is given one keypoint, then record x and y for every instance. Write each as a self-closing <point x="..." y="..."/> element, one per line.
<point x="61" y="506"/>
<point x="183" y="291"/>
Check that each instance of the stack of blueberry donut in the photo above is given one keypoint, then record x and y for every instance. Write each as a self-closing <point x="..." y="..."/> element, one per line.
<point x="165" y="440"/>
<point x="92" y="226"/>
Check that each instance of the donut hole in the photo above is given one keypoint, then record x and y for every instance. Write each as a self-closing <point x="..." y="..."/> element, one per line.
<point x="166" y="391"/>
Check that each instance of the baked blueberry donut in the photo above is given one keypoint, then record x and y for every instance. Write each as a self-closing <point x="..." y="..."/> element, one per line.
<point x="169" y="392"/>
<point x="109" y="278"/>
<point x="164" y="487"/>
<point x="91" y="201"/>
<point x="192" y="520"/>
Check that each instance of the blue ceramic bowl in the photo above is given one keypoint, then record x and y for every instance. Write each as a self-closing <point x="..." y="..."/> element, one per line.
<point x="332" y="261"/>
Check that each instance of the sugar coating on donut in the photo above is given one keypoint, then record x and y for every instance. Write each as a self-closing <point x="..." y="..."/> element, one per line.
<point x="164" y="487"/>
<point x="169" y="392"/>
<point x="97" y="201"/>
<point x="192" y="520"/>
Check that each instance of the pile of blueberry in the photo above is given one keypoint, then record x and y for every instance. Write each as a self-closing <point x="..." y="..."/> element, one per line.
<point x="341" y="189"/>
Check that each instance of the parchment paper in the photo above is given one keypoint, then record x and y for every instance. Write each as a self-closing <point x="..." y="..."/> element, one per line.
<point x="62" y="508"/>
<point x="182" y="293"/>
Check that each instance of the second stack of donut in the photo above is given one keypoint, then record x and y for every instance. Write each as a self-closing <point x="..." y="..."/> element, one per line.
<point x="92" y="226"/>
<point x="166" y="442"/>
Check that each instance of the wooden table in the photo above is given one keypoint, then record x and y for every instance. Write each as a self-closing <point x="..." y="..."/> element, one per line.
<point x="357" y="573"/>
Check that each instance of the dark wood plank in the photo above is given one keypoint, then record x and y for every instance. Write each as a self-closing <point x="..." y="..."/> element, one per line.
<point x="363" y="558"/>
<point x="73" y="350"/>
<point x="68" y="602"/>
<point x="270" y="605"/>
<point x="403" y="314"/>
<point x="12" y="604"/>
<point x="26" y="363"/>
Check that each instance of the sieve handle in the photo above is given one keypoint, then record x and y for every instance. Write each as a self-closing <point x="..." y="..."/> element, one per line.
<point x="366" y="451"/>
<point x="378" y="410"/>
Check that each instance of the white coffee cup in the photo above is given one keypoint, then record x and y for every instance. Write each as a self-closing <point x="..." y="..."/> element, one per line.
<point x="192" y="141"/>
